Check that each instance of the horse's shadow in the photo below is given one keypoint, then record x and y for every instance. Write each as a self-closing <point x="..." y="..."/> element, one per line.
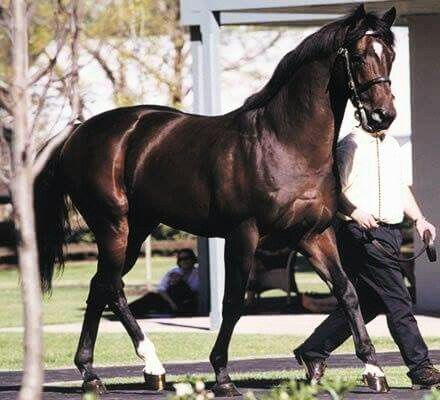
<point x="243" y="384"/>
<point x="258" y="386"/>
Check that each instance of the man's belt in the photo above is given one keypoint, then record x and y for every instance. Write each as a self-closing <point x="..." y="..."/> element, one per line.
<point x="428" y="246"/>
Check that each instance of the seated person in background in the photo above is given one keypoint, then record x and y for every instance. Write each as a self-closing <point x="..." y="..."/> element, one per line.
<point x="176" y="292"/>
<point x="180" y="285"/>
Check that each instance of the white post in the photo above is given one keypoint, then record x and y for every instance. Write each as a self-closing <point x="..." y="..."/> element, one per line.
<point x="148" y="268"/>
<point x="210" y="31"/>
<point x="197" y="69"/>
<point x="425" y="89"/>
<point x="198" y="108"/>
<point x="211" y="63"/>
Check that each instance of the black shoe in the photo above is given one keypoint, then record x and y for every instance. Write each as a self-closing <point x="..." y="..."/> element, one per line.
<point x="425" y="378"/>
<point x="315" y="367"/>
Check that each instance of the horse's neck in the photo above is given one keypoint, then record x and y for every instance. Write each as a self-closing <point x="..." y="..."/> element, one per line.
<point x="305" y="112"/>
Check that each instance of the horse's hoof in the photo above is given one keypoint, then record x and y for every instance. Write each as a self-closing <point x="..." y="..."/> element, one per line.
<point x="225" y="390"/>
<point x="377" y="383"/>
<point x="154" y="382"/>
<point x="94" y="386"/>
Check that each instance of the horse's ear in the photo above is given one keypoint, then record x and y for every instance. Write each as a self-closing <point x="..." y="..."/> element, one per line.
<point x="359" y="12"/>
<point x="389" y="16"/>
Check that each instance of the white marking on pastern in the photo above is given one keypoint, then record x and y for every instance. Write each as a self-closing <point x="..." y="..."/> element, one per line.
<point x="374" y="370"/>
<point x="147" y="352"/>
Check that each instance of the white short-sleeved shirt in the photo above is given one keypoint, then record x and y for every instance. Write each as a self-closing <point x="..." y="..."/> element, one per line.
<point x="371" y="175"/>
<point x="192" y="279"/>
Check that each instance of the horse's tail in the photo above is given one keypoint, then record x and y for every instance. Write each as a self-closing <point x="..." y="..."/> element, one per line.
<point x="51" y="219"/>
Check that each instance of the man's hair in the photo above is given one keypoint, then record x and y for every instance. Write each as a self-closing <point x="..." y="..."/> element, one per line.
<point x="188" y="251"/>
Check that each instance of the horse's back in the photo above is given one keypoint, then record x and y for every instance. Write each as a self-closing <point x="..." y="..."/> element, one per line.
<point x="156" y="161"/>
<point x="93" y="159"/>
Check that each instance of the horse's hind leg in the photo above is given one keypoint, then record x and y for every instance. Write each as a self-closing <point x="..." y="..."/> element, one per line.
<point x="239" y="257"/>
<point x="86" y="345"/>
<point x="322" y="253"/>
<point x="116" y="249"/>
<point x="104" y="288"/>
<point x="154" y="372"/>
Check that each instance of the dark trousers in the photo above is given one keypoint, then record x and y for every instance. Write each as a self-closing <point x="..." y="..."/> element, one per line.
<point x="380" y="286"/>
<point x="152" y="302"/>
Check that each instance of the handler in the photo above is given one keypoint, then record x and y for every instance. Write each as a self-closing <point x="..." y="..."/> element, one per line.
<point x="374" y="198"/>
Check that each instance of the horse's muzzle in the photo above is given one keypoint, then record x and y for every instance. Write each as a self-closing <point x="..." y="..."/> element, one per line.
<point x="380" y="119"/>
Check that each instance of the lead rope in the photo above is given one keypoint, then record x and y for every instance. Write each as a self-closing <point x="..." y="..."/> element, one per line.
<point x="378" y="180"/>
<point x="428" y="245"/>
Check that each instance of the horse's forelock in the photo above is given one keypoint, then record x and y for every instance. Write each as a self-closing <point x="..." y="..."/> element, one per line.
<point x="369" y="22"/>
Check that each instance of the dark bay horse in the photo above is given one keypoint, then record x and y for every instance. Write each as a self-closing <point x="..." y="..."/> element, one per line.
<point x="266" y="168"/>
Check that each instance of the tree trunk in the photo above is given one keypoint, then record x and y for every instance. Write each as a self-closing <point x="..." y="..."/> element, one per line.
<point x="177" y="37"/>
<point x="22" y="200"/>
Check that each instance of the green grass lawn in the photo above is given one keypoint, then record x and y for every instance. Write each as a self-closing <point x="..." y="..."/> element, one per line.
<point x="59" y="348"/>
<point x="70" y="290"/>
<point x="67" y="301"/>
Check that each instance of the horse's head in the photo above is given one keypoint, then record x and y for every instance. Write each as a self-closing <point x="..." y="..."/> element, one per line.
<point x="367" y="59"/>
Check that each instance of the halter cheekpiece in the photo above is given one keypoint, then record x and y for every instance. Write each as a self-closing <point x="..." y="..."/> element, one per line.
<point x="356" y="89"/>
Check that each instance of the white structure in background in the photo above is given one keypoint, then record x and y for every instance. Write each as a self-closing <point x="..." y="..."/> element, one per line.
<point x="422" y="17"/>
<point x="148" y="266"/>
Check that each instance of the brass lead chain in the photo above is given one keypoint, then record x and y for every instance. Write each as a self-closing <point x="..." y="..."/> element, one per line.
<point x="378" y="181"/>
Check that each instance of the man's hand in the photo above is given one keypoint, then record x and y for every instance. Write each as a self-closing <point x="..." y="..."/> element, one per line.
<point x="422" y="225"/>
<point x="169" y="300"/>
<point x="364" y="219"/>
<point x="175" y="279"/>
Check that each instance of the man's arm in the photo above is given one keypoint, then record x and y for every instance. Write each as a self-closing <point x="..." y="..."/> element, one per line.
<point x="163" y="286"/>
<point x="168" y="299"/>
<point x="412" y="210"/>
<point x="364" y="219"/>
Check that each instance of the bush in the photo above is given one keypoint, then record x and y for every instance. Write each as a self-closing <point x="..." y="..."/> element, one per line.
<point x="434" y="395"/>
<point x="194" y="389"/>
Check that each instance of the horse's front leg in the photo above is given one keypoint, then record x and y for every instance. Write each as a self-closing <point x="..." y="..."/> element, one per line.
<point x="239" y="258"/>
<point x="322" y="252"/>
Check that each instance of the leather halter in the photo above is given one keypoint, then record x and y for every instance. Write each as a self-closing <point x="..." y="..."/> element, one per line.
<point x="356" y="89"/>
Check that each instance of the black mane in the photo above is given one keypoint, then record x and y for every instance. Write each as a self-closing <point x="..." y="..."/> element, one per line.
<point x="320" y="45"/>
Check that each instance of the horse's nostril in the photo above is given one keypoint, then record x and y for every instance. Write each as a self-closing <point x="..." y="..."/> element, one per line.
<point x="381" y="115"/>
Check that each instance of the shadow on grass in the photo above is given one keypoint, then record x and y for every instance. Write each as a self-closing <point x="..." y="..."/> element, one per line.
<point x="46" y="389"/>
<point x="244" y="385"/>
<point x="140" y="386"/>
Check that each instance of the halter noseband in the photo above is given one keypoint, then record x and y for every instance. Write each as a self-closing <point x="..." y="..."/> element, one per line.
<point x="356" y="90"/>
